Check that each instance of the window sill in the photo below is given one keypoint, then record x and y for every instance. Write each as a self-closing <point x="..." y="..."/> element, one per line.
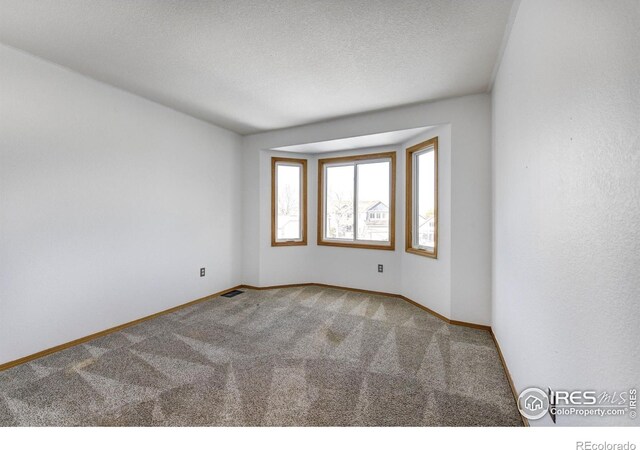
<point x="287" y="243"/>
<point x="419" y="252"/>
<point x="358" y="245"/>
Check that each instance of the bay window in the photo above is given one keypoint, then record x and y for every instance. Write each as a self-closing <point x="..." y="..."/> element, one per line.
<point x="356" y="201"/>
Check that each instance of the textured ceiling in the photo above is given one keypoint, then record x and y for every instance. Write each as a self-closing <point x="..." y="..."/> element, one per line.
<point x="253" y="65"/>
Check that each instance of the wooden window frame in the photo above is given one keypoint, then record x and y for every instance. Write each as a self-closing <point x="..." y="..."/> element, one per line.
<point x="322" y="163"/>
<point x="409" y="198"/>
<point x="303" y="202"/>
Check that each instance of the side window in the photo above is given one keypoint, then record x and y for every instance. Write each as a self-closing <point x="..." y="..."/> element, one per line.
<point x="422" y="199"/>
<point x="288" y="201"/>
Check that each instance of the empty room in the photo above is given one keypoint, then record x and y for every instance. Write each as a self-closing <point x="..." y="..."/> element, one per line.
<point x="321" y="213"/>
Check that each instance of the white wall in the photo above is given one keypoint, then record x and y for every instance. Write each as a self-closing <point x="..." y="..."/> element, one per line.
<point x="566" y="180"/>
<point x="427" y="280"/>
<point x="292" y="265"/>
<point x="436" y="284"/>
<point x="109" y="205"/>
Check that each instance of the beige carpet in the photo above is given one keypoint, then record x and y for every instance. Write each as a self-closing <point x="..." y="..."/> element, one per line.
<point x="306" y="356"/>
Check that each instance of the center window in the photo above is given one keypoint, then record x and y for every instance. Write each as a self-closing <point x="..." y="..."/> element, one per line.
<point x="356" y="201"/>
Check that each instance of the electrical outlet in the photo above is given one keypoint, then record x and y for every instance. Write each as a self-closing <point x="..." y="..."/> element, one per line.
<point x="202" y="271"/>
<point x="380" y="268"/>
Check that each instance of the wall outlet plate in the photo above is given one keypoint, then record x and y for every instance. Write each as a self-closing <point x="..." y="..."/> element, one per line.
<point x="380" y="268"/>
<point x="202" y="271"/>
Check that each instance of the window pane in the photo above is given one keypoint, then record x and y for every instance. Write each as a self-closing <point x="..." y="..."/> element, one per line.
<point x="288" y="192"/>
<point x="373" y="201"/>
<point x="426" y="199"/>
<point x="339" y="202"/>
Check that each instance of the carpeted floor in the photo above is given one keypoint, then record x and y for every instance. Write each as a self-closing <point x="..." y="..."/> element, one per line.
<point x="307" y="356"/>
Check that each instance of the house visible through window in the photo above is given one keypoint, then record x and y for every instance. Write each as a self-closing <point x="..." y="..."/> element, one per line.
<point x="356" y="201"/>
<point x="288" y="201"/>
<point x="422" y="198"/>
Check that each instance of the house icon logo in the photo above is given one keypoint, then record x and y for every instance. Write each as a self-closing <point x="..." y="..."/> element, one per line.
<point x="533" y="403"/>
